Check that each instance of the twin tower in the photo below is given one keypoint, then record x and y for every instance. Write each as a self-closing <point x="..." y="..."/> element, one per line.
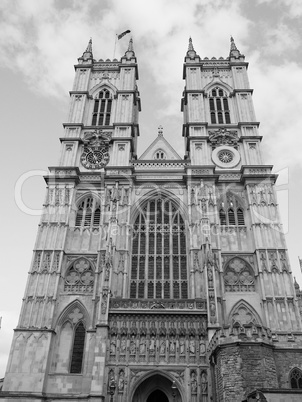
<point x="159" y="278"/>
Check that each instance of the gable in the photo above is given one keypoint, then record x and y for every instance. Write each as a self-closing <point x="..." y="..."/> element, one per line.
<point x="161" y="145"/>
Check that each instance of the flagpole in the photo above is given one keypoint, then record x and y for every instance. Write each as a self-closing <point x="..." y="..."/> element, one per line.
<point x="114" y="46"/>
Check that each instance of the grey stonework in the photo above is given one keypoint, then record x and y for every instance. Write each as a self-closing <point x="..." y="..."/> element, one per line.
<point x="160" y="276"/>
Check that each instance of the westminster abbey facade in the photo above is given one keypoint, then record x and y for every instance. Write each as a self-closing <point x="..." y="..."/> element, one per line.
<point x="161" y="277"/>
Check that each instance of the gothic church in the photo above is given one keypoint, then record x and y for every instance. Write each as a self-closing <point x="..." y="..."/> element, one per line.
<point x="159" y="278"/>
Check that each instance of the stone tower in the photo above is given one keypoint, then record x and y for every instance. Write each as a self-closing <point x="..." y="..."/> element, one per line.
<point x="158" y="278"/>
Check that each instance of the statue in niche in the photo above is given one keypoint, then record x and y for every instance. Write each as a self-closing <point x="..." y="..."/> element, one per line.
<point x="123" y="344"/>
<point x="111" y="379"/>
<point x="204" y="383"/>
<point x="142" y="345"/>
<point x="121" y="381"/>
<point x="210" y="277"/>
<point x="193" y="383"/>
<point x="152" y="344"/>
<point x="172" y="345"/>
<point x="192" y="345"/>
<point x="162" y="348"/>
<point x="113" y="345"/>
<point x="202" y="346"/>
<point x="132" y="345"/>
<point x="182" y="345"/>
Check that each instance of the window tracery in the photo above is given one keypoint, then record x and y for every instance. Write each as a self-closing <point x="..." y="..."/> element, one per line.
<point x="219" y="106"/>
<point x="79" y="277"/>
<point x="159" y="261"/>
<point x="102" y="109"/>
<point x="239" y="276"/>
<point x="295" y="379"/>
<point x="88" y="213"/>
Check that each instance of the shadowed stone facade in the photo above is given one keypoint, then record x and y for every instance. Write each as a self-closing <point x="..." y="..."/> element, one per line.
<point x="160" y="277"/>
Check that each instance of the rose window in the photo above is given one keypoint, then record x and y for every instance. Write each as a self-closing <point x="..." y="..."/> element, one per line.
<point x="239" y="276"/>
<point x="79" y="277"/>
<point x="225" y="156"/>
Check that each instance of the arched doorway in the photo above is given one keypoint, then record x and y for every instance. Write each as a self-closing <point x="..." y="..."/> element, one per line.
<point x="156" y="388"/>
<point x="157" y="396"/>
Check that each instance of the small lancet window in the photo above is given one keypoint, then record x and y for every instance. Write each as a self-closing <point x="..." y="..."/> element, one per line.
<point x="159" y="154"/>
<point x="88" y="213"/>
<point x="295" y="379"/>
<point x="102" y="109"/>
<point x="219" y="107"/>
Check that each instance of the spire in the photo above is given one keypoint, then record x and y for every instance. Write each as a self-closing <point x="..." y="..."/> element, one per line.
<point x="234" y="52"/>
<point x="191" y="51"/>
<point x="88" y="52"/>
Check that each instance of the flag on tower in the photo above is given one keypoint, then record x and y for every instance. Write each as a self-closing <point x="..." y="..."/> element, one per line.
<point x="300" y="262"/>
<point x="123" y="34"/>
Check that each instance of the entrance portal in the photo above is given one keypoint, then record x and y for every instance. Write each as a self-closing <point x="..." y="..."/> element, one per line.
<point x="158" y="396"/>
<point x="156" y="388"/>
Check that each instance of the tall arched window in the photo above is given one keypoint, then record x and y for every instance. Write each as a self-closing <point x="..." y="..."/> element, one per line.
<point x="219" y="106"/>
<point x="88" y="213"/>
<point x="70" y="343"/>
<point x="159" y="255"/>
<point x="295" y="378"/>
<point x="102" y="109"/>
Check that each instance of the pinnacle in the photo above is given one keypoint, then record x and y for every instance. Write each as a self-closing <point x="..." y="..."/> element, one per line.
<point x="89" y="46"/>
<point x="88" y="52"/>
<point x="234" y="52"/>
<point x="130" y="47"/>
<point x="190" y="47"/>
<point x="191" y="51"/>
<point x="130" y="51"/>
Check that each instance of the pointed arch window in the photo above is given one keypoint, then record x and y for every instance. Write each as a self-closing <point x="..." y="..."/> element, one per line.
<point x="88" y="213"/>
<point x="70" y="342"/>
<point x="295" y="379"/>
<point x="102" y="108"/>
<point x="159" y="256"/>
<point x="219" y="106"/>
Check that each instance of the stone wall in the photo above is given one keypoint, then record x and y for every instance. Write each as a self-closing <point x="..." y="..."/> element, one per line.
<point x="243" y="367"/>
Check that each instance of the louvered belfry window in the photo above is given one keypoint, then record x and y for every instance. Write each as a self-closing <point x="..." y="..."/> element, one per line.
<point x="219" y="107"/>
<point x="88" y="213"/>
<point x="159" y="259"/>
<point x="102" y="109"/>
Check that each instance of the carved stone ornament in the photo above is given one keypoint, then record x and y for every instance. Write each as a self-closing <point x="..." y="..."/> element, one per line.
<point x="222" y="136"/>
<point x="96" y="149"/>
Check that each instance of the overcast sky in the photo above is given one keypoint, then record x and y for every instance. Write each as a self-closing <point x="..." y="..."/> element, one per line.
<point x="40" y="42"/>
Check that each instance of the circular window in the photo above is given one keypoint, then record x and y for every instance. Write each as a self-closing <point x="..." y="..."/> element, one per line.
<point x="225" y="157"/>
